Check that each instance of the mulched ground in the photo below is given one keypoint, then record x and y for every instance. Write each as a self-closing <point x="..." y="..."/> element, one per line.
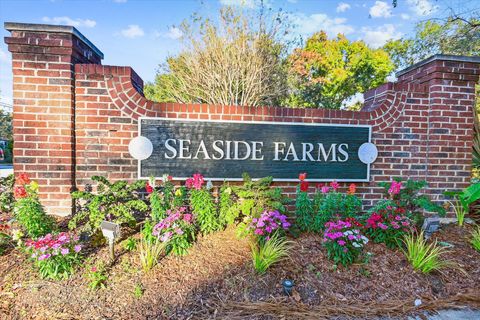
<point x="216" y="280"/>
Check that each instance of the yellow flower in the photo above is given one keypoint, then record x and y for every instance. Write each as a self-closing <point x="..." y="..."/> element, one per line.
<point x="178" y="193"/>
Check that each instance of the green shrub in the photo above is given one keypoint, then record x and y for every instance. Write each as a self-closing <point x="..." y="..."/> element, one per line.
<point x="6" y="194"/>
<point x="150" y="252"/>
<point x="328" y="204"/>
<point x="475" y="239"/>
<point x="130" y="244"/>
<point x="28" y="211"/>
<point x="267" y="253"/>
<point x="31" y="216"/>
<point x="203" y="205"/>
<point x="228" y="212"/>
<point x="422" y="256"/>
<point x="117" y="202"/>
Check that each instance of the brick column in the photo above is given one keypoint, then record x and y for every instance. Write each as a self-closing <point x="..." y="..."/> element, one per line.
<point x="451" y="84"/>
<point x="43" y="106"/>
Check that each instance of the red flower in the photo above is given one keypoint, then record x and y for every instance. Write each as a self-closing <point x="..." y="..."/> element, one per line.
<point x="302" y="176"/>
<point x="304" y="186"/>
<point x="169" y="178"/>
<point x="23" y="179"/>
<point x="352" y="188"/>
<point x="354" y="222"/>
<point x="374" y="219"/>
<point x="19" y="192"/>
<point x="148" y="187"/>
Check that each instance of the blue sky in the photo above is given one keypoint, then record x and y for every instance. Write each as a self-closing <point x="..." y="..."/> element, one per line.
<point x="142" y="34"/>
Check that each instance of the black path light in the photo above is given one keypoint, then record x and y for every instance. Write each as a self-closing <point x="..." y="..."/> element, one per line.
<point x="287" y="287"/>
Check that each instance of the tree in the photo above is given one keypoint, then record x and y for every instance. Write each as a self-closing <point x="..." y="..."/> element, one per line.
<point x="5" y="125"/>
<point x="237" y="61"/>
<point x="456" y="35"/>
<point x="326" y="72"/>
<point x="6" y="133"/>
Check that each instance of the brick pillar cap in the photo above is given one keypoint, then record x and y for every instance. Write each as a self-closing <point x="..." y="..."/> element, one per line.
<point x="443" y="57"/>
<point x="34" y="27"/>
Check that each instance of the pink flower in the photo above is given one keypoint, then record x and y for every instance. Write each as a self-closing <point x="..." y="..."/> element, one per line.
<point x="382" y="226"/>
<point x="334" y="184"/>
<point x="341" y="242"/>
<point x="77" y="248"/>
<point x="187" y="217"/>
<point x="325" y="189"/>
<point x="395" y="188"/>
<point x="64" y="251"/>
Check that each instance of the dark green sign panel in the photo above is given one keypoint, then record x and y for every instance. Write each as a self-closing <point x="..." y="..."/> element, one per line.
<point x="223" y="150"/>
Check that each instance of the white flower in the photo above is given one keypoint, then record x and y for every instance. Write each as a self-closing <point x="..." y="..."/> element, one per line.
<point x="209" y="185"/>
<point x="356" y="245"/>
<point x="348" y="232"/>
<point x="365" y="239"/>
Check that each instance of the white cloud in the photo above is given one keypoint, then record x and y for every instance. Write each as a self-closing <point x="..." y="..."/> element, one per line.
<point x="133" y="31"/>
<point x="405" y="16"/>
<point x="342" y="7"/>
<point x="308" y="25"/>
<point x="71" y="22"/>
<point x="381" y="10"/>
<point x="251" y="4"/>
<point x="377" y="37"/>
<point x="173" y="33"/>
<point x="422" y="7"/>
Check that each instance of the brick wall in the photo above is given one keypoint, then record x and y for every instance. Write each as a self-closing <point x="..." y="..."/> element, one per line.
<point x="422" y="124"/>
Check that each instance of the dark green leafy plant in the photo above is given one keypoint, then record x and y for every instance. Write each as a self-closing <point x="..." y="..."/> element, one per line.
<point x="327" y="205"/>
<point x="204" y="209"/>
<point x="117" y="202"/>
<point x="6" y="194"/>
<point x="228" y="212"/>
<point x="304" y="211"/>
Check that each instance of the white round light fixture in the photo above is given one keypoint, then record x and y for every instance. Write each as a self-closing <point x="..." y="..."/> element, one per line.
<point x="140" y="148"/>
<point x="367" y="153"/>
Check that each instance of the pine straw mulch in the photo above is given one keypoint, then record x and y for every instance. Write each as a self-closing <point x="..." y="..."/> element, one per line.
<point x="216" y="280"/>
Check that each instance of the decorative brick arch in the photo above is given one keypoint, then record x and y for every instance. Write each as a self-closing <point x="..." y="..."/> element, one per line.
<point x="82" y="115"/>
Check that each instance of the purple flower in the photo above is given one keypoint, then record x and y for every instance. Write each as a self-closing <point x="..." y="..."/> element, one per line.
<point x="44" y="256"/>
<point x="64" y="251"/>
<point x="341" y="242"/>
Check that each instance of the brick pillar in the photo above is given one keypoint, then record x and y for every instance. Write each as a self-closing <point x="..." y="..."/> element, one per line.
<point x="43" y="106"/>
<point x="451" y="84"/>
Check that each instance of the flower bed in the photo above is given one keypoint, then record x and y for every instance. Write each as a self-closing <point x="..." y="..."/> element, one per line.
<point x="187" y="248"/>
